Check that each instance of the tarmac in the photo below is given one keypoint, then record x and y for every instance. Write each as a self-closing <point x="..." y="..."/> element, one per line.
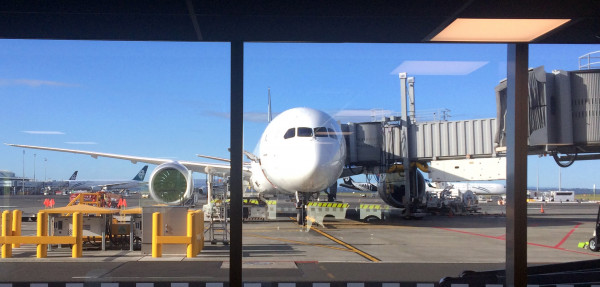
<point x="342" y="252"/>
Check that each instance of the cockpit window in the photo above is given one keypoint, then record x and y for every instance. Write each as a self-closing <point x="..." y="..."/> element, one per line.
<point x="305" y="132"/>
<point x="290" y="133"/>
<point x="332" y="133"/>
<point x="321" y="132"/>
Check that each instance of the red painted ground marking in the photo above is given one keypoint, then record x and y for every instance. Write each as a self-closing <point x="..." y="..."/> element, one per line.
<point x="502" y="237"/>
<point x="567" y="236"/>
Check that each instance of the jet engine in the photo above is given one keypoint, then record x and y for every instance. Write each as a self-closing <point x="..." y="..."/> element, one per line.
<point x="171" y="183"/>
<point x="391" y="188"/>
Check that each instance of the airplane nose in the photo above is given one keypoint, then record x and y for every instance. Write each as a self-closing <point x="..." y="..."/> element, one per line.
<point x="305" y="168"/>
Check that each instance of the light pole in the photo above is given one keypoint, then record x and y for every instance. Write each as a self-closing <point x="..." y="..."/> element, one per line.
<point x="45" y="160"/>
<point x="23" y="179"/>
<point x="34" y="166"/>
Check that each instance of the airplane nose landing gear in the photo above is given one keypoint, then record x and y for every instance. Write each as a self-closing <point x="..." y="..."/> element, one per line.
<point x="302" y="199"/>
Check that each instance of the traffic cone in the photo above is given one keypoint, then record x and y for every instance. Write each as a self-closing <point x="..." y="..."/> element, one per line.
<point x="541" y="208"/>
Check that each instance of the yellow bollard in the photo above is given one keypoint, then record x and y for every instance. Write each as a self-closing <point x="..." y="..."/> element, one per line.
<point x="6" y="231"/>
<point x="42" y="231"/>
<point x="16" y="226"/>
<point x="157" y="224"/>
<point x="77" y="251"/>
<point x="191" y="234"/>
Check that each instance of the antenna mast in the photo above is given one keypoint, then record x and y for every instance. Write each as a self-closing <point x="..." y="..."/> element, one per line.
<point x="269" y="116"/>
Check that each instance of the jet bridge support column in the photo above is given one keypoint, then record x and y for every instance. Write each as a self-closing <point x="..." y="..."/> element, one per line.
<point x="405" y="144"/>
<point x="411" y="98"/>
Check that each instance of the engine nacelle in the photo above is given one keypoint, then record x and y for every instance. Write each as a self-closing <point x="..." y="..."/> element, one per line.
<point x="171" y="183"/>
<point x="391" y="188"/>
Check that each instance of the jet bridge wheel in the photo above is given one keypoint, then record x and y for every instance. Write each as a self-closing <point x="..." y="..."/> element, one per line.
<point x="593" y="244"/>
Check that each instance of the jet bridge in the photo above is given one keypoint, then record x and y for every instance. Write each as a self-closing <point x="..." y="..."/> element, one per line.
<point x="396" y="146"/>
<point x="564" y="121"/>
<point x="376" y="146"/>
<point x="564" y="114"/>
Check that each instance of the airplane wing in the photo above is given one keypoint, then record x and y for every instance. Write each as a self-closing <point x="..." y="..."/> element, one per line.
<point x="193" y="166"/>
<point x="116" y="184"/>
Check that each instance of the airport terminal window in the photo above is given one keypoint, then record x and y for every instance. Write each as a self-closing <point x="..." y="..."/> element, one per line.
<point x="305" y="132"/>
<point x="321" y="132"/>
<point x="290" y="133"/>
<point x="388" y="241"/>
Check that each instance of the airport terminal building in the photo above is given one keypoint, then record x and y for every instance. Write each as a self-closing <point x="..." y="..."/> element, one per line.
<point x="10" y="184"/>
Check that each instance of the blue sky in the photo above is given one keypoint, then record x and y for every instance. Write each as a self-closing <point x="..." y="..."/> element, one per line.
<point x="171" y="100"/>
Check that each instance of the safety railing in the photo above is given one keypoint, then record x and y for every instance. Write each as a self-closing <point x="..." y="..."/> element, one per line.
<point x="194" y="238"/>
<point x="589" y="61"/>
<point x="12" y="238"/>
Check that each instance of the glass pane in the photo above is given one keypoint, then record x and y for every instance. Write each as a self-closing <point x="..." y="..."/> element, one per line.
<point x="305" y="132"/>
<point x="147" y="99"/>
<point x="290" y="133"/>
<point x="321" y="132"/>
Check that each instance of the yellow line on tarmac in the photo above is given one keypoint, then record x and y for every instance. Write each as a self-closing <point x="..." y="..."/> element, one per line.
<point x="300" y="242"/>
<point x="354" y="249"/>
<point x="371" y="226"/>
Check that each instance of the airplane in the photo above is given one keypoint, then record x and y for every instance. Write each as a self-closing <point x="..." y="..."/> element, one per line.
<point x="301" y="152"/>
<point x="50" y="184"/>
<point x="92" y="185"/>
<point x="360" y="186"/>
<point x="478" y="188"/>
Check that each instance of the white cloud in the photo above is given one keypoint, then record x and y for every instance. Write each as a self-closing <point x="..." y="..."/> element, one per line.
<point x="44" y="132"/>
<point x="32" y="83"/>
<point x="82" y="143"/>
<point x="360" y="115"/>
<point x="438" y="68"/>
<point x="249" y="116"/>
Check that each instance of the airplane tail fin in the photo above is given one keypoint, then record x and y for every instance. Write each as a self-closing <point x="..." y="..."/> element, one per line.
<point x="74" y="176"/>
<point x="348" y="180"/>
<point x="348" y="183"/>
<point x="142" y="174"/>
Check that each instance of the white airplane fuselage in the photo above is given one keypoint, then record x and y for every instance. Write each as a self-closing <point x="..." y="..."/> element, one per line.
<point x="479" y="188"/>
<point x="100" y="184"/>
<point x="301" y="150"/>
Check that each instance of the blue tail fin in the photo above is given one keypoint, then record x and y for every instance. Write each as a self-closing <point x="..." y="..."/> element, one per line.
<point x="142" y="174"/>
<point x="74" y="176"/>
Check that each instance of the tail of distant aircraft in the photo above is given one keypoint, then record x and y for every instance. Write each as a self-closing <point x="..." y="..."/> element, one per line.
<point x="362" y="186"/>
<point x="142" y="174"/>
<point x="74" y="176"/>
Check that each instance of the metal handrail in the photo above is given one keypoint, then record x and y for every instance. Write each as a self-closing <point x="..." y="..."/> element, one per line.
<point x="593" y="61"/>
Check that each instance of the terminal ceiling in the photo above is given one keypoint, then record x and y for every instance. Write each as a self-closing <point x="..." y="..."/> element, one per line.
<point x="383" y="21"/>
